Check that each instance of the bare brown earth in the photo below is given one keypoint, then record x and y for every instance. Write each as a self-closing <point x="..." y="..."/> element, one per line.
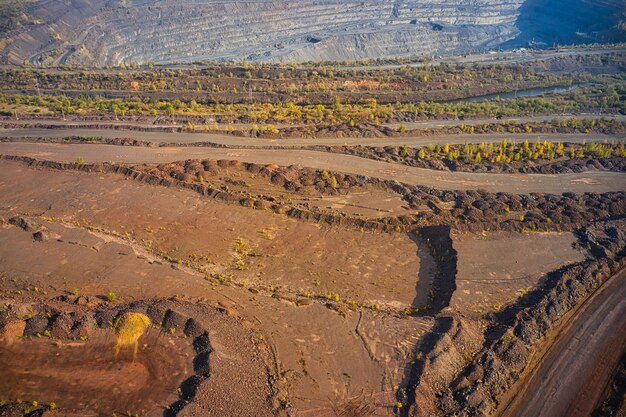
<point x="323" y="355"/>
<point x="181" y="225"/>
<point x="292" y="274"/>
<point x="495" y="268"/>
<point x="518" y="337"/>
<point x="304" y="318"/>
<point x="86" y="377"/>
<point x="579" y="183"/>
<point x="237" y="141"/>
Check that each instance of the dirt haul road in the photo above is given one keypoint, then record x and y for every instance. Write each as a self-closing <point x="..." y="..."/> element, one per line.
<point x="570" y="378"/>
<point x="188" y="138"/>
<point x="597" y="181"/>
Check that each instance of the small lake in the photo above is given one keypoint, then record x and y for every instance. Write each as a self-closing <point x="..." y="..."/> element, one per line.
<point x="530" y="92"/>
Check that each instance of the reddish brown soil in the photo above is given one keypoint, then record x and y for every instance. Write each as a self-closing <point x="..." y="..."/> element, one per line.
<point x="585" y="182"/>
<point x="319" y="352"/>
<point x="314" y="316"/>
<point x="184" y="220"/>
<point x="60" y="130"/>
<point x="87" y="378"/>
<point x="273" y="292"/>
<point x="494" y="269"/>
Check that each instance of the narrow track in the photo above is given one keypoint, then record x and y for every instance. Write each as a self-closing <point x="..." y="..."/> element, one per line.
<point x="597" y="181"/>
<point x="85" y="130"/>
<point x="569" y="378"/>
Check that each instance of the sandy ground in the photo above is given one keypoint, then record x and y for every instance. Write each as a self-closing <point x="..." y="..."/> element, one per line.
<point x="187" y="138"/>
<point x="360" y="266"/>
<point x="513" y="183"/>
<point x="321" y="355"/>
<point x="494" y="269"/>
<point x="109" y="233"/>
<point x="571" y="376"/>
<point x="325" y="356"/>
<point x="86" y="376"/>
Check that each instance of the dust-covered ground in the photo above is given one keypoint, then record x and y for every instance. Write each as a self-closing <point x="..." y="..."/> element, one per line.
<point x="254" y="310"/>
<point x="318" y="312"/>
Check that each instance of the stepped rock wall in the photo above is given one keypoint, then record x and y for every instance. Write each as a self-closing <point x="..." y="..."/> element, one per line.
<point x="112" y="32"/>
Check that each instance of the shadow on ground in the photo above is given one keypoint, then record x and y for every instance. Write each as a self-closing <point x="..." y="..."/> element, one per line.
<point x="545" y="23"/>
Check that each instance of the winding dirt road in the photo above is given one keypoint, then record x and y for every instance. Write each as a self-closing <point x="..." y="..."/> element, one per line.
<point x="597" y="181"/>
<point x="189" y="138"/>
<point x="568" y="381"/>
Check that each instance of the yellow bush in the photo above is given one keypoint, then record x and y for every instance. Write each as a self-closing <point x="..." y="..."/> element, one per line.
<point x="128" y="329"/>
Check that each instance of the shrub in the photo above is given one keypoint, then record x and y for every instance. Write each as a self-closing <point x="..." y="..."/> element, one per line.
<point x="128" y="329"/>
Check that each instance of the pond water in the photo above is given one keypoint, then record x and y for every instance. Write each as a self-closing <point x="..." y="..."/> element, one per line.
<point x="530" y="92"/>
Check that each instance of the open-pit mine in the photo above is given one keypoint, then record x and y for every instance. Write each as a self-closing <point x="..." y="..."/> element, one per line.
<point x="318" y="209"/>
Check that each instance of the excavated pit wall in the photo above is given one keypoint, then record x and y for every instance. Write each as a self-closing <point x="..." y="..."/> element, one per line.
<point x="111" y="32"/>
